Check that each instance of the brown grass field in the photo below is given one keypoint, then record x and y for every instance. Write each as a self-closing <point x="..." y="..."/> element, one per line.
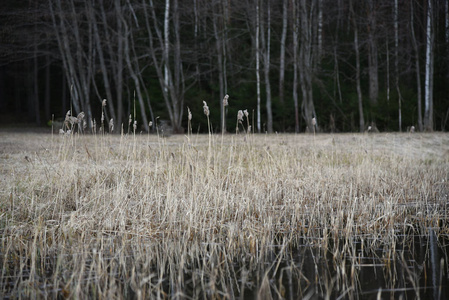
<point x="219" y="217"/>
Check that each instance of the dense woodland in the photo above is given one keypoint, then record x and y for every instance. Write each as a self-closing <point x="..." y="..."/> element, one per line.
<point x="347" y="64"/>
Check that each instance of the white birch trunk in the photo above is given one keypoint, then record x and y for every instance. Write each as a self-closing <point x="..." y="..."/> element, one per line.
<point x="166" y="43"/>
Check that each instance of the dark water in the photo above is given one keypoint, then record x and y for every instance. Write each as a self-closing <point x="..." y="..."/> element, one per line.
<point x="362" y="267"/>
<point x="413" y="267"/>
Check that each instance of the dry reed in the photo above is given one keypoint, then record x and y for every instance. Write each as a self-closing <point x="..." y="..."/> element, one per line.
<point x="149" y="217"/>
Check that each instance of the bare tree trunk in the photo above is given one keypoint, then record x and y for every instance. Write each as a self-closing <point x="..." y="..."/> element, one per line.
<point x="177" y="66"/>
<point x="306" y="61"/>
<point x="320" y="29"/>
<point x="446" y="23"/>
<point x="173" y="97"/>
<point x="135" y="79"/>
<point x="295" y="63"/>
<point x="258" y="64"/>
<point x="219" y="49"/>
<point x="156" y="63"/>
<point x="282" y="50"/>
<point x="372" y="55"/>
<point x="35" y="93"/>
<point x="266" y="57"/>
<point x="47" y="96"/>
<point x="357" y="62"/>
<point x="336" y="64"/>
<point x="104" y="71"/>
<point x="388" y="70"/>
<point x="417" y="66"/>
<point x="64" y="47"/>
<point x="195" y="35"/>
<point x="396" y="61"/>
<point x="428" y="98"/>
<point x="166" y="43"/>
<point x="118" y="74"/>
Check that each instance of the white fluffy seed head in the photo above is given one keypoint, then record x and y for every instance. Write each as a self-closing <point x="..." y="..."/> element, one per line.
<point x="240" y="116"/>
<point x="103" y="103"/>
<point x="206" y="108"/>
<point x="80" y="116"/>
<point x="225" y="100"/>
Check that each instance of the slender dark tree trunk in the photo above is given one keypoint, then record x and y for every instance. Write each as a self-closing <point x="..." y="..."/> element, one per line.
<point x="357" y="68"/>
<point x="417" y="67"/>
<point x="372" y="54"/>
<point x="47" y="88"/>
<point x="282" y="50"/>
<point x="266" y="42"/>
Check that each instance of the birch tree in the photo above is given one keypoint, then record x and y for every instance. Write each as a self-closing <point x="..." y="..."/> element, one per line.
<point x="428" y="84"/>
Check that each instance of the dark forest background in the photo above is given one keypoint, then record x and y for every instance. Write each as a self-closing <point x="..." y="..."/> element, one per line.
<point x="347" y="64"/>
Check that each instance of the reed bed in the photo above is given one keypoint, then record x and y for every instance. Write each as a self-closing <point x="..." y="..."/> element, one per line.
<point x="219" y="216"/>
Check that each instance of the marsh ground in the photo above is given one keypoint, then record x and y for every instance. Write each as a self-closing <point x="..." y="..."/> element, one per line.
<point x="235" y="216"/>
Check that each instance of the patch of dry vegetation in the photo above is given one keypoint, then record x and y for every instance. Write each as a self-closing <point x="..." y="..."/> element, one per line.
<point x="105" y="216"/>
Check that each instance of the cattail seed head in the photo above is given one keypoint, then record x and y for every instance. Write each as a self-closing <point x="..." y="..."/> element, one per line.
<point x="245" y="112"/>
<point x="111" y="125"/>
<point x="205" y="108"/>
<point x="80" y="116"/>
<point x="103" y="103"/>
<point x="189" y="114"/>
<point x="135" y="125"/>
<point x="225" y="100"/>
<point x="240" y="116"/>
<point x="150" y="124"/>
<point x="313" y="121"/>
<point x="412" y="129"/>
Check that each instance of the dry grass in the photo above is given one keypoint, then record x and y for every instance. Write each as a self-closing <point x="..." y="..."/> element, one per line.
<point x="146" y="217"/>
